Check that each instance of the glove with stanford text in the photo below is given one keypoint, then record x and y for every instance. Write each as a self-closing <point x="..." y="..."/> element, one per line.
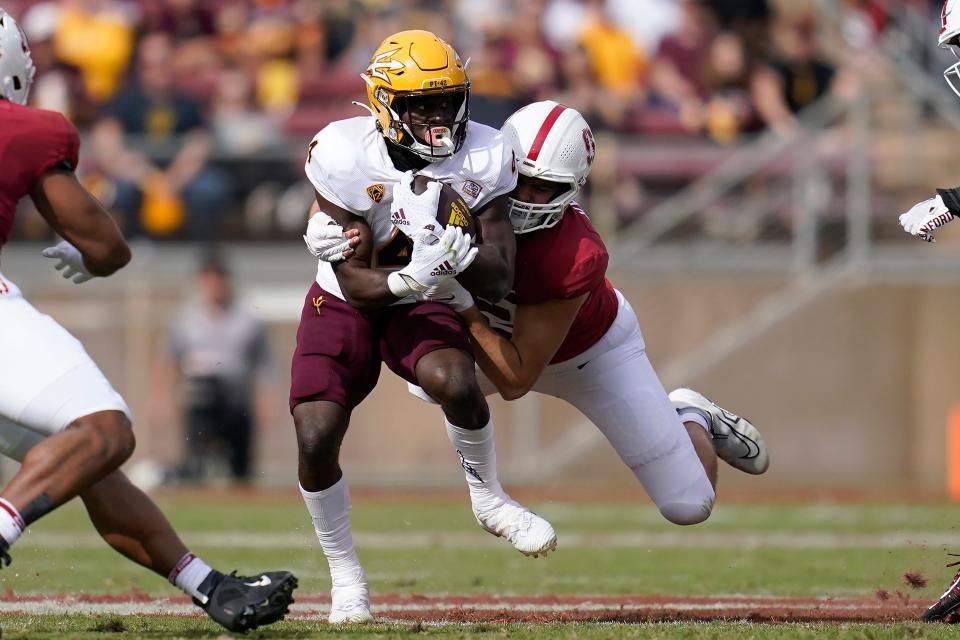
<point x="433" y="261"/>
<point x="69" y="260"/>
<point x="926" y="217"/>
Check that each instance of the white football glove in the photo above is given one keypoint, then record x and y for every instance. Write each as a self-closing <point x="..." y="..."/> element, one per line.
<point x="415" y="214"/>
<point x="325" y="238"/>
<point x="431" y="264"/>
<point x="69" y="260"/>
<point x="925" y="218"/>
<point x="452" y="293"/>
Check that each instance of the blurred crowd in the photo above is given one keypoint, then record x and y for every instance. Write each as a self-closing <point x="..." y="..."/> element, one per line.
<point x="164" y="85"/>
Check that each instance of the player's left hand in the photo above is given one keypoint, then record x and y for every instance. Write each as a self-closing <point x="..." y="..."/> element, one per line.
<point x="452" y="293"/>
<point x="326" y="239"/>
<point x="69" y="260"/>
<point x="926" y="217"/>
<point x="413" y="214"/>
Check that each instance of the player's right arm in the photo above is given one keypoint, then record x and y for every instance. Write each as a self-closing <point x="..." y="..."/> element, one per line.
<point x="364" y="287"/>
<point x="77" y="217"/>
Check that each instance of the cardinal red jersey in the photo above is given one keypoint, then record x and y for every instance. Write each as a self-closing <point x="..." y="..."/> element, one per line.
<point x="32" y="141"/>
<point x="559" y="263"/>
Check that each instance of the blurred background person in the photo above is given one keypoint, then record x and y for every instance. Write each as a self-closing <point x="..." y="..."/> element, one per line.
<point x="217" y="354"/>
<point x="153" y="142"/>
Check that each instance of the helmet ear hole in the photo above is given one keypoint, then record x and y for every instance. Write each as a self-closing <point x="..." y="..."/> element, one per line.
<point x="16" y="83"/>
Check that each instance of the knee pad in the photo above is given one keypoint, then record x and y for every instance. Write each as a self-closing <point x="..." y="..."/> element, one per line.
<point x="685" y="513"/>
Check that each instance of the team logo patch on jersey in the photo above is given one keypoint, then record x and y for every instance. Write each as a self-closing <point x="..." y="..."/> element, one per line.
<point x="472" y="189"/>
<point x="458" y="217"/>
<point x="376" y="191"/>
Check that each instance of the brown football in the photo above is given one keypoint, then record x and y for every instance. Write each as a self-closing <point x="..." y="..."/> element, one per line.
<point x="452" y="209"/>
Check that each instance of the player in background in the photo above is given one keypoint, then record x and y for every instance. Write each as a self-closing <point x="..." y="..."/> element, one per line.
<point x="922" y="221"/>
<point x="564" y="331"/>
<point x="59" y="416"/>
<point x="369" y="308"/>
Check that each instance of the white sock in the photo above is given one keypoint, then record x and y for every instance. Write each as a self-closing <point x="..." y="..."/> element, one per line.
<point x="695" y="415"/>
<point x="330" y="511"/>
<point x="478" y="457"/>
<point x="11" y="522"/>
<point x="188" y="574"/>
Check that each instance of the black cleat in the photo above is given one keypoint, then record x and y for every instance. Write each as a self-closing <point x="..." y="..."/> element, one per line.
<point x="242" y="603"/>
<point x="943" y="610"/>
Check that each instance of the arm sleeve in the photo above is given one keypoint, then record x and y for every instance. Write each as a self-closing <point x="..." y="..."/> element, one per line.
<point x="56" y="145"/>
<point x="332" y="170"/>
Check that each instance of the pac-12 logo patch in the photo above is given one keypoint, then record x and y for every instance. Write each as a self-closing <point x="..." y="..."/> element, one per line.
<point x="376" y="191"/>
<point x="472" y="189"/>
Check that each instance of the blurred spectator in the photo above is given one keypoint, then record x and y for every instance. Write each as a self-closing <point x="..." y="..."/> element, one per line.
<point x="58" y="86"/>
<point x="748" y="18"/>
<point x="677" y="70"/>
<point x="728" y="109"/>
<point x="647" y="21"/>
<point x="96" y="37"/>
<point x="238" y="127"/>
<point x="217" y="354"/>
<point x="148" y="120"/>
<point x="616" y="64"/>
<point x="798" y="76"/>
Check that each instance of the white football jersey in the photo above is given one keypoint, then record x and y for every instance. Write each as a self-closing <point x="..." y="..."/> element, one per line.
<point x="348" y="164"/>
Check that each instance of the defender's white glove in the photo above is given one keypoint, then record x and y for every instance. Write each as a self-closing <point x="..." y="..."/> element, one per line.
<point x="414" y="214"/>
<point x="431" y="264"/>
<point x="69" y="260"/>
<point x="452" y="293"/>
<point x="325" y="238"/>
<point x="926" y="217"/>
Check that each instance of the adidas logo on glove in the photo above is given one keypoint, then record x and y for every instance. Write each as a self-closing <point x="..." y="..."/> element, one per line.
<point x="444" y="269"/>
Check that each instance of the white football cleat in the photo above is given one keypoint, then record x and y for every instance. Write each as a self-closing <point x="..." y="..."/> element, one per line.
<point x="530" y="534"/>
<point x="350" y="605"/>
<point x="737" y="442"/>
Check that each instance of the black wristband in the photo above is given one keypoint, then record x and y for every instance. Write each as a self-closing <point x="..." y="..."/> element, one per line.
<point x="951" y="199"/>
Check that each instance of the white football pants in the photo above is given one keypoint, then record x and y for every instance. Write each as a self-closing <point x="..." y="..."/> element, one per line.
<point x="614" y="385"/>
<point x="47" y="380"/>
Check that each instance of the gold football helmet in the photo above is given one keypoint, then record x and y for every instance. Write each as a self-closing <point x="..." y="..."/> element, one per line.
<point x="419" y="93"/>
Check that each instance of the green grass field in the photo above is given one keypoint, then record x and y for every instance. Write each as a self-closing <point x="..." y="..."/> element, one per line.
<point x="436" y="549"/>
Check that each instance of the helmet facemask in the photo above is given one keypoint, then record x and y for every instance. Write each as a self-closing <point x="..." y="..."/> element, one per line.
<point x="528" y="216"/>
<point x="431" y="124"/>
<point x="952" y="74"/>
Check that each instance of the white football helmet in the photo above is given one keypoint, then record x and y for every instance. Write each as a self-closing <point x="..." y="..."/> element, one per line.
<point x="555" y="143"/>
<point x="950" y="39"/>
<point x="16" y="65"/>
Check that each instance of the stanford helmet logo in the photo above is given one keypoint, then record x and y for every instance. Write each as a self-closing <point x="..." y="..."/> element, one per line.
<point x="590" y="145"/>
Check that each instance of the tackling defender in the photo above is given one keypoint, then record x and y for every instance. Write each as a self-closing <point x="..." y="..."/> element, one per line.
<point x="922" y="221"/>
<point x="59" y="416"/>
<point x="370" y="308"/>
<point x="563" y="330"/>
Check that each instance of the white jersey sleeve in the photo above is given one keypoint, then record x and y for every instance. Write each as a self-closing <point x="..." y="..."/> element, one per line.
<point x="506" y="179"/>
<point x="337" y="166"/>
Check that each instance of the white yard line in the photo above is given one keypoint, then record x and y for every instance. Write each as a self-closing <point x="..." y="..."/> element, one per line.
<point x="459" y="540"/>
<point x="309" y="610"/>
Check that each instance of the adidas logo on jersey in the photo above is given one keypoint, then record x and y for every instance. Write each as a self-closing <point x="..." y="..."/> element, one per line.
<point x="444" y="269"/>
